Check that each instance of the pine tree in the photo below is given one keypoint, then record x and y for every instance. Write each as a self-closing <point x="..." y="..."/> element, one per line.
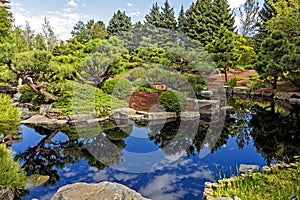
<point x="119" y="22"/>
<point x="221" y="14"/>
<point x="223" y="49"/>
<point x="5" y="23"/>
<point x="168" y="20"/>
<point x="154" y="16"/>
<point x="138" y="25"/>
<point x="199" y="22"/>
<point x="269" y="63"/>
<point x="181" y="20"/>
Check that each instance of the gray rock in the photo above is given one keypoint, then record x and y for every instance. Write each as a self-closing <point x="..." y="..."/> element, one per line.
<point x="122" y="113"/>
<point x="294" y="101"/>
<point x="189" y="115"/>
<point x="153" y="116"/>
<point x="248" y="169"/>
<point x="206" y="93"/>
<point x="241" y="91"/>
<point x="228" y="90"/>
<point x="39" y="120"/>
<point x="223" y="198"/>
<point x="101" y="191"/>
<point x="6" y="194"/>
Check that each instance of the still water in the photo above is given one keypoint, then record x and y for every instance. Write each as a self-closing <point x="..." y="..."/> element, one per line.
<point x="166" y="161"/>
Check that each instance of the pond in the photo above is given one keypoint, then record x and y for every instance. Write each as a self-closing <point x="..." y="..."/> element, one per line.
<point x="160" y="161"/>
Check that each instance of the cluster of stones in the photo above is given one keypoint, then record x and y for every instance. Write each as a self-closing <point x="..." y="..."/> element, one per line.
<point x="245" y="92"/>
<point x="244" y="170"/>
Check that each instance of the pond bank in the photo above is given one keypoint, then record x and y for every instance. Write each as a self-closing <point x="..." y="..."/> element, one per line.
<point x="210" y="188"/>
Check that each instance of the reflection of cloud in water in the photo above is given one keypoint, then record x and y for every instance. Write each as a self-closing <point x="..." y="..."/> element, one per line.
<point x="100" y="176"/>
<point x="170" y="186"/>
<point x="124" y="177"/>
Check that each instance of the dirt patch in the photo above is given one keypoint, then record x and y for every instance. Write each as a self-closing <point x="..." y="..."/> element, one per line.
<point x="146" y="101"/>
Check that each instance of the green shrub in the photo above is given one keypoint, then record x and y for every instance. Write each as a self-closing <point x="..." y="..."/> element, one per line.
<point x="141" y="82"/>
<point x="29" y="95"/>
<point x="138" y="72"/>
<point x="197" y="82"/>
<point x="172" y="101"/>
<point x="11" y="176"/>
<point x="254" y="77"/>
<point x="118" y="87"/>
<point x="86" y="99"/>
<point x="148" y="89"/>
<point x="9" y="116"/>
<point x="233" y="82"/>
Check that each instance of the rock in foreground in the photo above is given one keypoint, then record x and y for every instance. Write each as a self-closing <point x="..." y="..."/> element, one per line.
<point x="100" y="191"/>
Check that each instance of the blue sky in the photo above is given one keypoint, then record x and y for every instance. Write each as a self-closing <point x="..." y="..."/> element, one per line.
<point x="63" y="14"/>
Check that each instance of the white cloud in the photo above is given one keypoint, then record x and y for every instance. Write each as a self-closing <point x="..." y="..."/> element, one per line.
<point x="135" y="13"/>
<point x="129" y="4"/>
<point x="73" y="3"/>
<point x="235" y="3"/>
<point x="61" y="21"/>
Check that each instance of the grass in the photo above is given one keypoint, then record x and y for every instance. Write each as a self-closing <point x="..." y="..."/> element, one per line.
<point x="279" y="185"/>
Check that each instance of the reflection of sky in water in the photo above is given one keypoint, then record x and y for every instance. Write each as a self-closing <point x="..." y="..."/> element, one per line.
<point x="173" y="177"/>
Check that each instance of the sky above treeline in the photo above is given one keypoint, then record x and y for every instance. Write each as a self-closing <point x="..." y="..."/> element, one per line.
<point x="64" y="14"/>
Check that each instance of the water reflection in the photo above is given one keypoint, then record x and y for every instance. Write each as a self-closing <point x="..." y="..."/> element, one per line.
<point x="178" y="170"/>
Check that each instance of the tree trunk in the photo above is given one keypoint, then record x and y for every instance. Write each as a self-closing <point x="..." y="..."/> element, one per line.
<point x="226" y="79"/>
<point x="275" y="82"/>
<point x="27" y="81"/>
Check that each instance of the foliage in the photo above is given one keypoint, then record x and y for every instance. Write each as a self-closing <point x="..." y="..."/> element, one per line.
<point x="118" y="87"/>
<point x="286" y="18"/>
<point x="168" y="20"/>
<point x="138" y="72"/>
<point x="141" y="82"/>
<point x="84" y="32"/>
<point x="5" y="23"/>
<point x="153" y="18"/>
<point x="181" y="20"/>
<point x="118" y="23"/>
<point x="48" y="35"/>
<point x="11" y="176"/>
<point x="95" y="69"/>
<point x="147" y="89"/>
<point x="232" y="82"/>
<point x="9" y="116"/>
<point x="197" y="82"/>
<point x="269" y="62"/>
<point x="223" y="50"/>
<point x="172" y="101"/>
<point x="279" y="185"/>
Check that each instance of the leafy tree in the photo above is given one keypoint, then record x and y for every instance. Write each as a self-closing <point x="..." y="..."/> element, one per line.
<point x="269" y="63"/>
<point x="223" y="51"/>
<point x="119" y="22"/>
<point x="249" y="12"/>
<point x="39" y="42"/>
<point x="168" y="20"/>
<point x="91" y="30"/>
<point x="286" y="18"/>
<point x="154" y="16"/>
<point x="181" y="20"/>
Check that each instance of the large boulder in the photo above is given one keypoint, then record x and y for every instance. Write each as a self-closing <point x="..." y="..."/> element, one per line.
<point x="248" y="169"/>
<point x="242" y="91"/>
<point x="100" y="191"/>
<point x="40" y="120"/>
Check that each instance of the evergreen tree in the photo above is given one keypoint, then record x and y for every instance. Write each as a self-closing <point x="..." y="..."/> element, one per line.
<point x="181" y="20"/>
<point x="138" y="25"/>
<point x="222" y="15"/>
<point x="199" y="22"/>
<point x="5" y="23"/>
<point x="154" y="16"/>
<point x="168" y="20"/>
<point x="119" y="22"/>
<point x="223" y="49"/>
<point x="269" y="64"/>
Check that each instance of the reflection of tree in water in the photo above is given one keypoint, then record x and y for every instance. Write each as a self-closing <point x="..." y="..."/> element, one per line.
<point x="178" y="136"/>
<point x="47" y="156"/>
<point x="276" y="136"/>
<point x="237" y="121"/>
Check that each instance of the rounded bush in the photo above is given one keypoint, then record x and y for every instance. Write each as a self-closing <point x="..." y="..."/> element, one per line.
<point x="141" y="82"/>
<point x="118" y="87"/>
<point x="172" y="101"/>
<point x="138" y="72"/>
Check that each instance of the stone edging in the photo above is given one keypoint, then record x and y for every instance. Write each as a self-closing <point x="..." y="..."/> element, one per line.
<point x="209" y="187"/>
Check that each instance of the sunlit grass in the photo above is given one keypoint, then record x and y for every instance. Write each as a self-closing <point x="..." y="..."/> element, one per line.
<point x="279" y="185"/>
